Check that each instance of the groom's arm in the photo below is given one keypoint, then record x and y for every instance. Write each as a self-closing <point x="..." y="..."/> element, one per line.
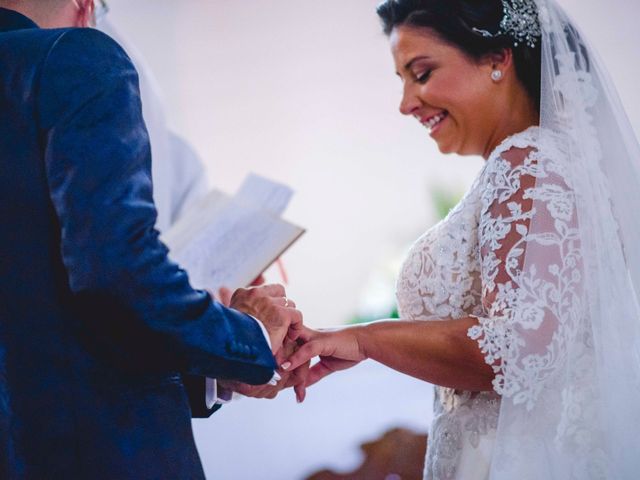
<point x="137" y="305"/>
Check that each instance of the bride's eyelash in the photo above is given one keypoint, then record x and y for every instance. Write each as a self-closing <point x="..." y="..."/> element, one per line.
<point x="423" y="77"/>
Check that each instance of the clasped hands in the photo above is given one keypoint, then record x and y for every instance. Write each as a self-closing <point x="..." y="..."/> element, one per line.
<point x="293" y="344"/>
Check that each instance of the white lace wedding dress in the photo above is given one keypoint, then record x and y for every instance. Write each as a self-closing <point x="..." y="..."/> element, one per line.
<point x="467" y="265"/>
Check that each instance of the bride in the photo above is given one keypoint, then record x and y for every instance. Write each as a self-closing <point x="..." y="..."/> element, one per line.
<point x="522" y="305"/>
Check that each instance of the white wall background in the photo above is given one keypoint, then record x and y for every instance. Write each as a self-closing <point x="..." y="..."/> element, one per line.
<point x="303" y="91"/>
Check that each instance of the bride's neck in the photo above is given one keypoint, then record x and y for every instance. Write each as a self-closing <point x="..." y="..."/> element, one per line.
<point x="520" y="114"/>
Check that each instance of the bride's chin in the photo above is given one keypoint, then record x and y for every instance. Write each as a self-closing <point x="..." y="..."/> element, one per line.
<point x="450" y="144"/>
<point x="445" y="148"/>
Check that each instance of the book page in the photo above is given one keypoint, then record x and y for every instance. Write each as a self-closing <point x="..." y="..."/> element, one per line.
<point x="230" y="241"/>
<point x="268" y="195"/>
<point x="196" y="219"/>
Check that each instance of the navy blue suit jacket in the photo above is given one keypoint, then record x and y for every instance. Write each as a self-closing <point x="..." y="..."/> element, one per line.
<point x="97" y="326"/>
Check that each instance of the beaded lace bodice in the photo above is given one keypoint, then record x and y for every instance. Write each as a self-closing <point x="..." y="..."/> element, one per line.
<point x="452" y="269"/>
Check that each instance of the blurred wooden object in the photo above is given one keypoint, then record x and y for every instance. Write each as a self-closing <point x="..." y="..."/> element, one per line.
<point x="398" y="455"/>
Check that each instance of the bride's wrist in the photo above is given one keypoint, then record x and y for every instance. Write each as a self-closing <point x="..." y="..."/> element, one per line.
<point x="364" y="339"/>
<point x="370" y="336"/>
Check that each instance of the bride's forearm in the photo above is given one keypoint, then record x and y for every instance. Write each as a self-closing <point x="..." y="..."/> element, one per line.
<point x="438" y="352"/>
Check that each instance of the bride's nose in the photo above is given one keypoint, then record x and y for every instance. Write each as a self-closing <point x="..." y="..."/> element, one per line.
<point x="409" y="102"/>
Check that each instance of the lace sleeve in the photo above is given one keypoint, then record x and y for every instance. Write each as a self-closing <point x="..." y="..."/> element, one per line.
<point x="530" y="269"/>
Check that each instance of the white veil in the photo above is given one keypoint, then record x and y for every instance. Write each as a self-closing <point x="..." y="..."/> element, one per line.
<point x="572" y="409"/>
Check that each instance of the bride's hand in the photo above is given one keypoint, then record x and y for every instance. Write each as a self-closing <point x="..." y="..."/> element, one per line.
<point x="338" y="349"/>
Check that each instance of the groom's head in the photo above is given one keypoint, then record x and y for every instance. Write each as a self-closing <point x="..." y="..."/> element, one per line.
<point x="55" y="13"/>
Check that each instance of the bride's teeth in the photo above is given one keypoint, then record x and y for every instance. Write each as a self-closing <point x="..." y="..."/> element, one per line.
<point x="433" y="121"/>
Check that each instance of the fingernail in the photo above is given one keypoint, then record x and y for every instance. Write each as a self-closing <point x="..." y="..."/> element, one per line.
<point x="286" y="365"/>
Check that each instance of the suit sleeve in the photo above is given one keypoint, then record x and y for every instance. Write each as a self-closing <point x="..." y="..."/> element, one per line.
<point x="133" y="302"/>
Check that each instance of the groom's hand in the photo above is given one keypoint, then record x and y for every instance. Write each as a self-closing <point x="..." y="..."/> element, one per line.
<point x="295" y="379"/>
<point x="270" y="305"/>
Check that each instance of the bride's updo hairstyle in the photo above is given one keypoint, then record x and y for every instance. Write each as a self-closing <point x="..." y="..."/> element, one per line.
<point x="454" y="20"/>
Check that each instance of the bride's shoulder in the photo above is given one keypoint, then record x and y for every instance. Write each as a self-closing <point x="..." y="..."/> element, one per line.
<point x="533" y="146"/>
<point x="533" y="139"/>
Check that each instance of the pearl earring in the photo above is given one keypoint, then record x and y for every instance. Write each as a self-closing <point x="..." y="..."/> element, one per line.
<point x="496" y="75"/>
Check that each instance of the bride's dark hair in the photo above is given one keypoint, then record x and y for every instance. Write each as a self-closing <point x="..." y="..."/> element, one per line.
<point x="454" y="21"/>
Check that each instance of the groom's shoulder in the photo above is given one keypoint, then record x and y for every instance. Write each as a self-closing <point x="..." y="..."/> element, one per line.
<point x="63" y="58"/>
<point x="39" y="44"/>
<point x="80" y="65"/>
<point x="88" y="45"/>
<point x="83" y="61"/>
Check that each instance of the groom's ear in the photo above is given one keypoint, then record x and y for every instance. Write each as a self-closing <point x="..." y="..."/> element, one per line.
<point x="86" y="13"/>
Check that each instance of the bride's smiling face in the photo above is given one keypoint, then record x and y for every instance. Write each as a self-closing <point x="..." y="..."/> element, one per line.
<point x="451" y="94"/>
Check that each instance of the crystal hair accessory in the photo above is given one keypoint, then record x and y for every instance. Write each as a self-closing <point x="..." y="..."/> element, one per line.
<point x="520" y="21"/>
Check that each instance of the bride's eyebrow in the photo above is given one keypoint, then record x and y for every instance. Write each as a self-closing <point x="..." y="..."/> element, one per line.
<point x="409" y="64"/>
<point x="414" y="60"/>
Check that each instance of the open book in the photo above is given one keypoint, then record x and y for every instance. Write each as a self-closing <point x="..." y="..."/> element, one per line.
<point x="230" y="240"/>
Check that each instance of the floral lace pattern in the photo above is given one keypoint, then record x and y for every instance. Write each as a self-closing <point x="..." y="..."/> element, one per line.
<point x="470" y="264"/>
<point x="441" y="276"/>
<point x="441" y="279"/>
<point x="519" y="298"/>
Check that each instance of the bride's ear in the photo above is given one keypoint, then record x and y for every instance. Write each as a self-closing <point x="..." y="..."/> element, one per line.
<point x="500" y="60"/>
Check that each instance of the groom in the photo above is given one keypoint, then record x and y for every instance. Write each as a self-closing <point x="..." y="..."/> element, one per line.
<point x="98" y="328"/>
